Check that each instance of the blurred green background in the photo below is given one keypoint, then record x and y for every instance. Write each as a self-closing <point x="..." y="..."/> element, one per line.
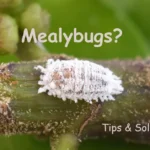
<point x="131" y="16"/>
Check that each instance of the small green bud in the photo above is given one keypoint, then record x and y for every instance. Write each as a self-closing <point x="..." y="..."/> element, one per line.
<point x="35" y="17"/>
<point x="67" y="142"/>
<point x="9" y="36"/>
<point x="31" y="51"/>
<point x="10" y="3"/>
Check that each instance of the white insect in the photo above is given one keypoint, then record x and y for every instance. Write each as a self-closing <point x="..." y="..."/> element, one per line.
<point x="78" y="79"/>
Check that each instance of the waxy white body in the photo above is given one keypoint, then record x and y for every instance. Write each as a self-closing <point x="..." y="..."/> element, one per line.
<point x="77" y="80"/>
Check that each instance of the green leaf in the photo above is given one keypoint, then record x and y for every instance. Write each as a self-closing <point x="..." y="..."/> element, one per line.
<point x="23" y="142"/>
<point x="8" y="58"/>
<point x="137" y="10"/>
<point x="94" y="16"/>
<point x="111" y="143"/>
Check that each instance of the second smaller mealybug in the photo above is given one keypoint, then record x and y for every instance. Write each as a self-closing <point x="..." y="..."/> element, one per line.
<point x="77" y="80"/>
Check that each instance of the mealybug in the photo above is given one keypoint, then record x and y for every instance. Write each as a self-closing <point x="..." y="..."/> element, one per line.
<point x="78" y="79"/>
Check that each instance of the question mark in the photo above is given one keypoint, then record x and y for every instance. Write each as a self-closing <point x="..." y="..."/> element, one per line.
<point x="119" y="35"/>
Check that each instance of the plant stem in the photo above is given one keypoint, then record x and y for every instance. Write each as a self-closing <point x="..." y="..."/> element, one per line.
<point x="33" y="113"/>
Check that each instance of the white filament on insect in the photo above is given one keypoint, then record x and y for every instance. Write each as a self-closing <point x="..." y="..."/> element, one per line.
<point x="78" y="79"/>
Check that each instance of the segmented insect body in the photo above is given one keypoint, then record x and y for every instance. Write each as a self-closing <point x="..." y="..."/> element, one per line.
<point x="78" y="79"/>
